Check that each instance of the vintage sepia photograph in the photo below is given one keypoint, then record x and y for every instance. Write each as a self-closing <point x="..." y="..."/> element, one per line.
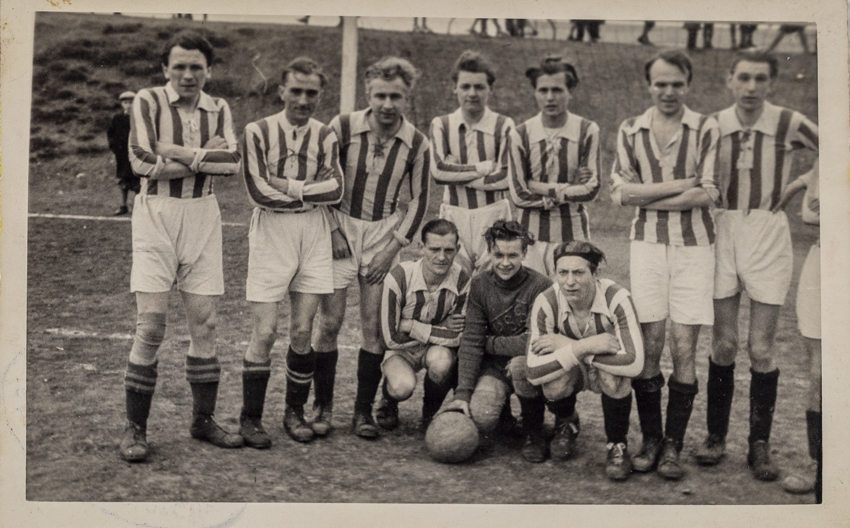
<point x="394" y="260"/>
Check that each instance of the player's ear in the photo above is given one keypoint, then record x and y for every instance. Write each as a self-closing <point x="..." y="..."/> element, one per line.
<point x="281" y="89"/>
<point x="165" y="71"/>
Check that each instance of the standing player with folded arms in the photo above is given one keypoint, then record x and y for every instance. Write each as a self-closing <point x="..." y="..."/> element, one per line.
<point x="469" y="156"/>
<point x="554" y="165"/>
<point x="380" y="152"/>
<point x="665" y="168"/>
<point x="180" y="139"/>
<point x="291" y="171"/>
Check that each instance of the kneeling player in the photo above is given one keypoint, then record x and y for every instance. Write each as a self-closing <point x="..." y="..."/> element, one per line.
<point x="422" y="316"/>
<point x="496" y="331"/>
<point x="584" y="335"/>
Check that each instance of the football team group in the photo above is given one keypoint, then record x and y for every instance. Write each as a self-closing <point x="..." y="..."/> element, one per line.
<point x="495" y="306"/>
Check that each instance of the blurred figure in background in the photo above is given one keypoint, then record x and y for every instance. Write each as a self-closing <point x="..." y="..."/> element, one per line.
<point x="118" y="136"/>
<point x="787" y="29"/>
<point x="693" y="30"/>
<point x="423" y="28"/>
<point x="644" y="37"/>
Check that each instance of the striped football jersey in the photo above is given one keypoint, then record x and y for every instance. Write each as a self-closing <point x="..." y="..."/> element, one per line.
<point x="469" y="146"/>
<point x="156" y="118"/>
<point x="550" y="161"/>
<point x="406" y="296"/>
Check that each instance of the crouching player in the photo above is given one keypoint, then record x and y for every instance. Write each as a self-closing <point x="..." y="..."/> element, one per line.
<point x="584" y="334"/>
<point x="496" y="331"/>
<point x="422" y="317"/>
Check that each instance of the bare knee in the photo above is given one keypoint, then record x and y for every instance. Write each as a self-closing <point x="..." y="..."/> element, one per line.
<point x="439" y="362"/>
<point x="561" y="388"/>
<point x="486" y="404"/>
<point x="400" y="387"/>
<point x="519" y="378"/>
<point x="614" y="386"/>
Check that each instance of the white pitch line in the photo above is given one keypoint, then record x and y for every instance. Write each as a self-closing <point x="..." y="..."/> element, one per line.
<point x="105" y="218"/>
<point x="70" y="332"/>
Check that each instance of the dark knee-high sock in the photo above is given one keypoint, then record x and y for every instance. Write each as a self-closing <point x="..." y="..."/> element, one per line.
<point x="434" y="394"/>
<point x="324" y="377"/>
<point x="648" y="399"/>
<point x="255" y="380"/>
<point x="139" y="386"/>
<point x="564" y="408"/>
<point x="814" y="428"/>
<point x="719" y="392"/>
<point x="368" y="379"/>
<point x="762" y="402"/>
<point x="299" y="376"/>
<point x="616" y="412"/>
<point x="680" y="403"/>
<point x="533" y="411"/>
<point x="203" y="375"/>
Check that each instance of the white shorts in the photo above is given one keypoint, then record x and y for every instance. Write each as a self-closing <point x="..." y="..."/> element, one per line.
<point x="753" y="254"/>
<point x="177" y="239"/>
<point x="288" y="252"/>
<point x="471" y="225"/>
<point x="365" y="240"/>
<point x="808" y="295"/>
<point x="539" y="257"/>
<point x="415" y="356"/>
<point x="674" y="281"/>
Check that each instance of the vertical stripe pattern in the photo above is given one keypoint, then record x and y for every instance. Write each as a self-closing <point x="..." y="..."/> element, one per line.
<point x="456" y="148"/>
<point x="154" y="119"/>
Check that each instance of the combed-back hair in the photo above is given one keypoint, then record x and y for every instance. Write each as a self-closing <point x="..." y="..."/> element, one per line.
<point x="580" y="248"/>
<point x="440" y="227"/>
<point x="390" y="68"/>
<point x="550" y="65"/>
<point x="765" y="58"/>
<point x="188" y="40"/>
<point x="473" y="62"/>
<point x="677" y="58"/>
<point x="306" y="66"/>
<point x="508" y="230"/>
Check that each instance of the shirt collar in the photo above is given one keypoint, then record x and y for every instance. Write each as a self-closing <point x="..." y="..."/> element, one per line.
<point x="417" y="280"/>
<point x="599" y="306"/>
<point x="487" y="123"/>
<point x="767" y="122"/>
<point x="690" y="119"/>
<point x="289" y="127"/>
<point x="205" y="102"/>
<point x="360" y="124"/>
<point x="570" y="131"/>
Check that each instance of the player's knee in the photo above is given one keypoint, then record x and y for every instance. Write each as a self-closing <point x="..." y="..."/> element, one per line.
<point x="519" y="378"/>
<point x="400" y="387"/>
<point x="299" y="337"/>
<point x="150" y="332"/>
<point x="615" y="386"/>
<point x="560" y="388"/>
<point x="486" y="407"/>
<point x="439" y="361"/>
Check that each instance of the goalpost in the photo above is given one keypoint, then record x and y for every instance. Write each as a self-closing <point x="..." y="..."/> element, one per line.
<point x="348" y="74"/>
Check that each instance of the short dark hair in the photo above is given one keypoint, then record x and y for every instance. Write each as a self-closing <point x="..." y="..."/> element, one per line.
<point x="306" y="66"/>
<point x="473" y="62"/>
<point x="507" y="230"/>
<point x="765" y="58"/>
<point x="188" y="40"/>
<point x="677" y="58"/>
<point x="580" y="248"/>
<point x="440" y="227"/>
<point x="550" y="65"/>
<point x="391" y="68"/>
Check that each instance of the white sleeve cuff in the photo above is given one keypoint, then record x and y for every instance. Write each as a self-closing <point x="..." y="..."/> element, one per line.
<point x="420" y="332"/>
<point x="296" y="189"/>
<point x="484" y="168"/>
<point x="196" y="161"/>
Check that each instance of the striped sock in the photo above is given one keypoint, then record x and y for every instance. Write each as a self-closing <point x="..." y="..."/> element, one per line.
<point x="203" y="375"/>
<point x="299" y="376"/>
<point x="139" y="385"/>
<point x="255" y="380"/>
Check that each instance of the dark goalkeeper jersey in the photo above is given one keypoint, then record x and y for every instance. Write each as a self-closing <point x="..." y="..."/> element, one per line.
<point x="496" y="322"/>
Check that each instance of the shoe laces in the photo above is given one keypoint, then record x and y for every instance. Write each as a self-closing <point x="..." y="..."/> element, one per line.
<point x="616" y="451"/>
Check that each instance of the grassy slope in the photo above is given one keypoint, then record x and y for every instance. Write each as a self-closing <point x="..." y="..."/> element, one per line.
<point x="78" y="277"/>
